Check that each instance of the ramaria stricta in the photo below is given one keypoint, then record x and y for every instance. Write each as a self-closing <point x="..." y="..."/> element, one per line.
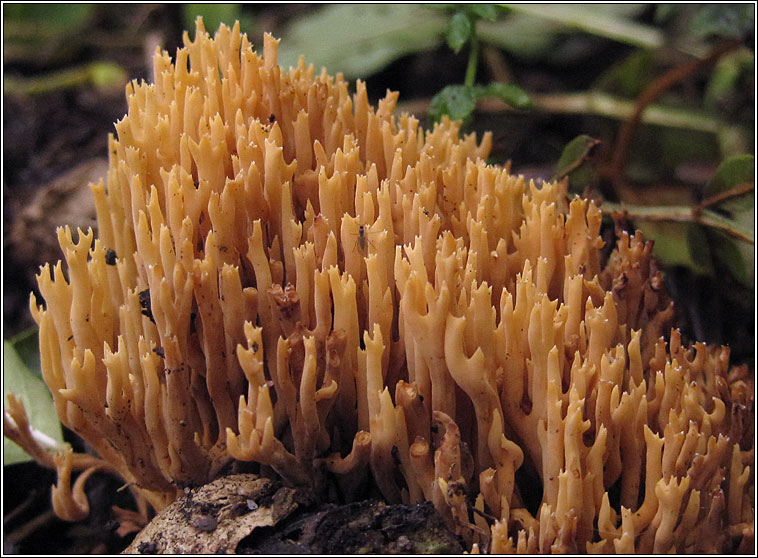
<point x="284" y="274"/>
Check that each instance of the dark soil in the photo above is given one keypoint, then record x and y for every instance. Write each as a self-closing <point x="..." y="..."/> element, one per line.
<point x="369" y="527"/>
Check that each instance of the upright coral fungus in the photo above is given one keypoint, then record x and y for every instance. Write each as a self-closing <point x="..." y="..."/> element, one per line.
<point x="286" y="275"/>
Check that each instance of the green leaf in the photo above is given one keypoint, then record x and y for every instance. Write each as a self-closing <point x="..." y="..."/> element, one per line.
<point x="507" y="92"/>
<point x="213" y="15"/>
<point x="484" y="11"/>
<point x="729" y="76"/>
<point x="665" y="12"/>
<point x="19" y="380"/>
<point x="26" y="344"/>
<point x="732" y="172"/>
<point x="361" y="39"/>
<point x="723" y="20"/>
<point x="612" y="21"/>
<point x="456" y="101"/>
<point x="679" y="244"/>
<point x="738" y="213"/>
<point x="630" y="77"/>
<point x="39" y="34"/>
<point x="107" y="75"/>
<point x="68" y="16"/>
<point x="534" y="31"/>
<point x="574" y="155"/>
<point x="524" y="35"/>
<point x="736" y="256"/>
<point x="458" y="31"/>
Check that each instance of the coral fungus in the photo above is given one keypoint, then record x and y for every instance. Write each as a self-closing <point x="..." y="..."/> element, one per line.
<point x="284" y="274"/>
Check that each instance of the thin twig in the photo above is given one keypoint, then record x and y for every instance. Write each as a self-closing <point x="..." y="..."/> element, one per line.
<point x="21" y="508"/>
<point x="496" y="65"/>
<point x="23" y="531"/>
<point x="659" y="86"/>
<point x="734" y="192"/>
<point x="597" y="103"/>
<point x="681" y="214"/>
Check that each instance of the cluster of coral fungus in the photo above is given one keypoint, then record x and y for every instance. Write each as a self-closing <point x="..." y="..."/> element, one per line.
<point x="286" y="275"/>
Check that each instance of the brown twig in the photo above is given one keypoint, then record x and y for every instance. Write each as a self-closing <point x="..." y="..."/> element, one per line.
<point x="23" y="531"/>
<point x="21" y="508"/>
<point x="733" y="192"/>
<point x="659" y="86"/>
<point x="681" y="214"/>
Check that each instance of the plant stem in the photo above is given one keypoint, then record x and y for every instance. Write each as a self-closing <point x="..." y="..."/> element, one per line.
<point x="64" y="79"/>
<point x="682" y="214"/>
<point x="603" y="104"/>
<point x="738" y="190"/>
<point x="473" y="59"/>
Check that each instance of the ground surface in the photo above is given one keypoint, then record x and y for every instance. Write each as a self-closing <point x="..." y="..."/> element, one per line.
<point x="247" y="514"/>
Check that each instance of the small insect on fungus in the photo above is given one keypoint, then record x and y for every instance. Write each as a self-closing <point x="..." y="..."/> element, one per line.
<point x="362" y="240"/>
<point x="362" y="237"/>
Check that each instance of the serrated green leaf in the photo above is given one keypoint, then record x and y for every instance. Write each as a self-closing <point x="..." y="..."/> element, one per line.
<point x="511" y="94"/>
<point x="732" y="172"/>
<point x="459" y="30"/>
<point x="456" y="101"/>
<point x="18" y="379"/>
<point x="574" y="155"/>
<point x="361" y="39"/>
